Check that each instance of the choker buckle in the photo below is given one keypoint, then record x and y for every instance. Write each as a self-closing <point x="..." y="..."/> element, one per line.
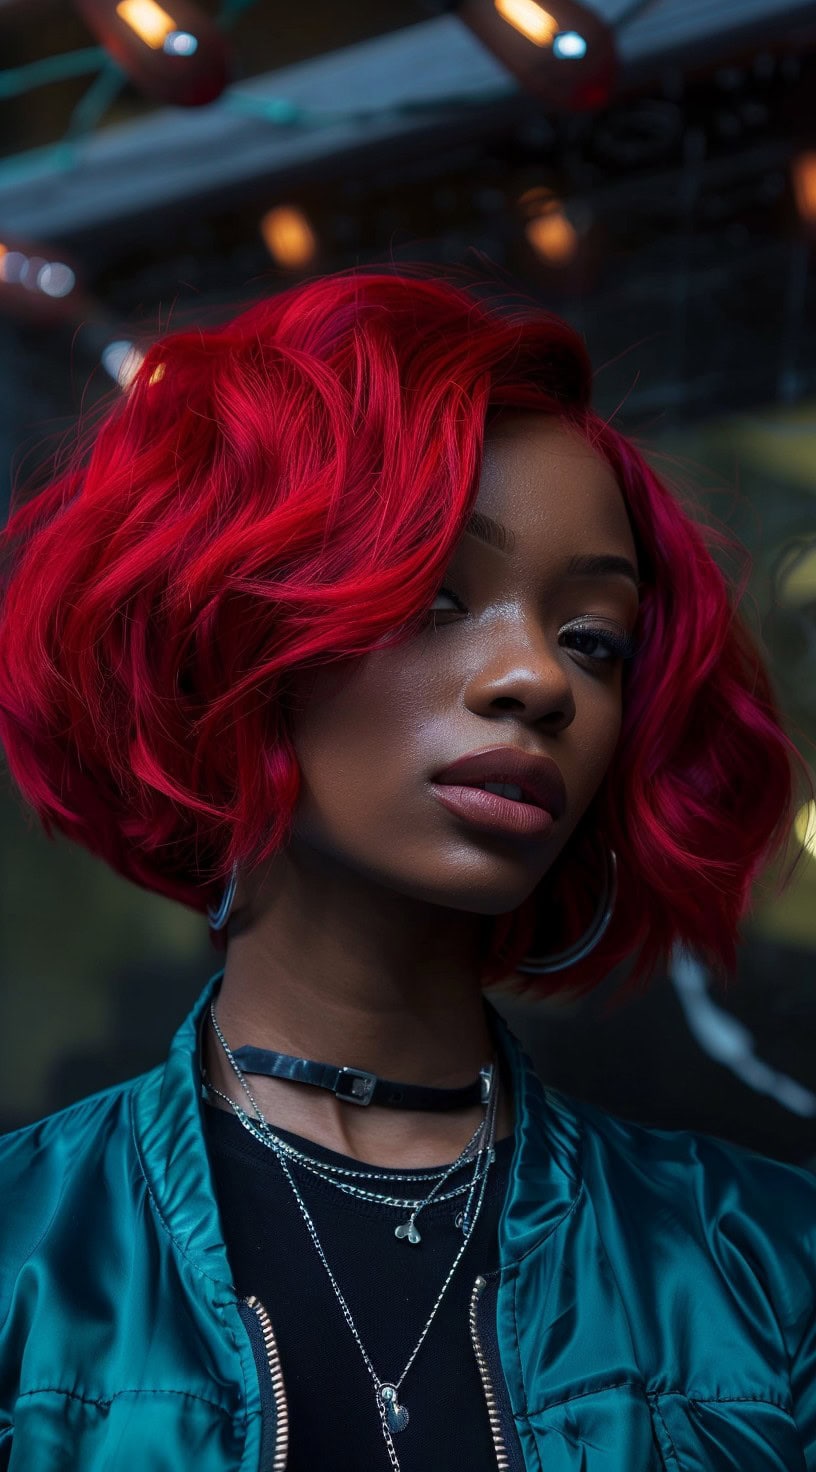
<point x="362" y="1085"/>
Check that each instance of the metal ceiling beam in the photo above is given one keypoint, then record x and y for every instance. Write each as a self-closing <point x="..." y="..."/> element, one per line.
<point x="175" y="154"/>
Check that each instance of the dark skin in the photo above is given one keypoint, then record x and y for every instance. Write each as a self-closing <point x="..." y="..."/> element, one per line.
<point x="361" y="942"/>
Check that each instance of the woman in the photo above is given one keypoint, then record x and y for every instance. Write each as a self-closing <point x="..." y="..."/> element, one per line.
<point x="355" y="625"/>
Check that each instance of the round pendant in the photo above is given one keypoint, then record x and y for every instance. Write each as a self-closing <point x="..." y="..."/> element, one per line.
<point x="396" y="1416"/>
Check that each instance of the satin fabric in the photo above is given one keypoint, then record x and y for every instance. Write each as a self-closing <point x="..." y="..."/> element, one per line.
<point x="655" y="1306"/>
<point x="665" y="1319"/>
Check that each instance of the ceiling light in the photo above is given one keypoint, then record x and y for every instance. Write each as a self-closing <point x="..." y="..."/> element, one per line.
<point x="173" y="53"/>
<point x="563" y="53"/>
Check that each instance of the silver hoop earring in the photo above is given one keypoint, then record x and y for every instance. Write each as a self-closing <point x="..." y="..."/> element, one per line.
<point x="529" y="965"/>
<point x="560" y="960"/>
<point x="218" y="918"/>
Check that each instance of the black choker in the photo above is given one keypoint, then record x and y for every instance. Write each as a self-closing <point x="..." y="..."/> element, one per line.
<point x="357" y="1086"/>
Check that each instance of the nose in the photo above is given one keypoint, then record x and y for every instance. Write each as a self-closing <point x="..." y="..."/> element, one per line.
<point x="526" y="675"/>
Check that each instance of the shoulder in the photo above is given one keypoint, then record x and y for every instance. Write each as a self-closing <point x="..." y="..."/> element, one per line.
<point x="48" y="1166"/>
<point x="722" y="1164"/>
<point x="745" y="1211"/>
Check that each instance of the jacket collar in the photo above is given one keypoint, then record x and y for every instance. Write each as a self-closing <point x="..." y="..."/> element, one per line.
<point x="169" y="1134"/>
<point x="545" y="1173"/>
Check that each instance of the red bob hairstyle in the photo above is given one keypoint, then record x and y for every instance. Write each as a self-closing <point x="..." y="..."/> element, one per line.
<point x="285" y="491"/>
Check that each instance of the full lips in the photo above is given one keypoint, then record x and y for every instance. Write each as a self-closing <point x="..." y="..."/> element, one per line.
<point x="491" y="812"/>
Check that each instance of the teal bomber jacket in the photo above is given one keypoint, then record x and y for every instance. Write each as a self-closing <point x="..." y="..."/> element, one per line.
<point x="653" y="1312"/>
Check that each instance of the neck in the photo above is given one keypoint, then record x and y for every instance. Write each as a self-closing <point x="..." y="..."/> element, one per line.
<point x="405" y="1006"/>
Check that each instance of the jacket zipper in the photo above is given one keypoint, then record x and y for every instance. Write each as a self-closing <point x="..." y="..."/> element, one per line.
<point x="278" y="1389"/>
<point x="502" y="1458"/>
<point x="279" y="1392"/>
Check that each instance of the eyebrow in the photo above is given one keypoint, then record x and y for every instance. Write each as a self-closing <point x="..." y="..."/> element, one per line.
<point x="495" y="534"/>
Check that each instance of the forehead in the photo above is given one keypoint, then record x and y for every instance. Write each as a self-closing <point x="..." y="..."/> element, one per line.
<point x="544" y="479"/>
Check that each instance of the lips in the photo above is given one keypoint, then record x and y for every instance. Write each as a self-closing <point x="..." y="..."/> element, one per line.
<point x="538" y="776"/>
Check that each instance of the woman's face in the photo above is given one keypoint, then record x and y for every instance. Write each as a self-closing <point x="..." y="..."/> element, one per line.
<point x="509" y="670"/>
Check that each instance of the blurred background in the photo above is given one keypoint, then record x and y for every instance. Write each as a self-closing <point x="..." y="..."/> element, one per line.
<point x="648" y="171"/>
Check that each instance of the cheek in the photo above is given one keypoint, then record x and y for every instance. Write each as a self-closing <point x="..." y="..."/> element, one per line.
<point x="354" y="754"/>
<point x="597" y="731"/>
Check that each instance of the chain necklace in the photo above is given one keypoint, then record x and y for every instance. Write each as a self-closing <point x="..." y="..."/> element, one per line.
<point x="326" y="1170"/>
<point x="393" y="1414"/>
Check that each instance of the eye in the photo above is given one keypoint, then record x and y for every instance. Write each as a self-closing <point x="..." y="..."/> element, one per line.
<point x="447" y="593"/>
<point x="585" y="637"/>
<point x="617" y="645"/>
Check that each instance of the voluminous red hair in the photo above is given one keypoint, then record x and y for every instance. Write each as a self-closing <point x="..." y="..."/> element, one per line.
<point x="285" y="491"/>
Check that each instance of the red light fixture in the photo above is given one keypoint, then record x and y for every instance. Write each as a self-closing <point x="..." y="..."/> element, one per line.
<point x="562" y="52"/>
<point x="170" y="51"/>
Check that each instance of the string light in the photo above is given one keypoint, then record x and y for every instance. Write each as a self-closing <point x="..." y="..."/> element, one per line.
<point x="289" y="237"/>
<point x="35" y="273"/>
<point x="803" y="174"/>
<point x="553" y="237"/>
<point x="548" y="228"/>
<point x="56" y="279"/>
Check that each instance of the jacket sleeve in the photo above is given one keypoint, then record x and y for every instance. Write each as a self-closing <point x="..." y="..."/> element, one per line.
<point x="34" y="1165"/>
<point x="778" y="1207"/>
<point x="791" y="1192"/>
<point x="803" y="1387"/>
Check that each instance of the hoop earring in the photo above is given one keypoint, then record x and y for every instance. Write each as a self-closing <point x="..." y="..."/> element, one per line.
<point x="560" y="960"/>
<point x="218" y="918"/>
<point x="529" y="965"/>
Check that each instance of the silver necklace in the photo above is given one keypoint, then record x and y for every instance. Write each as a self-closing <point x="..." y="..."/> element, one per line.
<point x="393" y="1413"/>
<point x="327" y="1171"/>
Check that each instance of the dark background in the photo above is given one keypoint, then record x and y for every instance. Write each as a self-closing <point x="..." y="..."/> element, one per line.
<point x="684" y="222"/>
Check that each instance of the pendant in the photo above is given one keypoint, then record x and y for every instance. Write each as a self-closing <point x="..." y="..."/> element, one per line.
<point x="396" y="1416"/>
<point x="407" y="1229"/>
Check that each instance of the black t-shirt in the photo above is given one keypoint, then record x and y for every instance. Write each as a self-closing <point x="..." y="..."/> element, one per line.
<point x="390" y="1286"/>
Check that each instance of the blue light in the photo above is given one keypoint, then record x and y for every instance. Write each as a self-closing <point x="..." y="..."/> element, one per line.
<point x="568" y="45"/>
<point x="180" y="43"/>
<point x="56" y="279"/>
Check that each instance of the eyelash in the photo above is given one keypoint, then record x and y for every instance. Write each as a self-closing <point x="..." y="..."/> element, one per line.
<point x="620" y="646"/>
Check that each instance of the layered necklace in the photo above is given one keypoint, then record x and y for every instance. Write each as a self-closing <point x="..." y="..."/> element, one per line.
<point x="480" y="1149"/>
